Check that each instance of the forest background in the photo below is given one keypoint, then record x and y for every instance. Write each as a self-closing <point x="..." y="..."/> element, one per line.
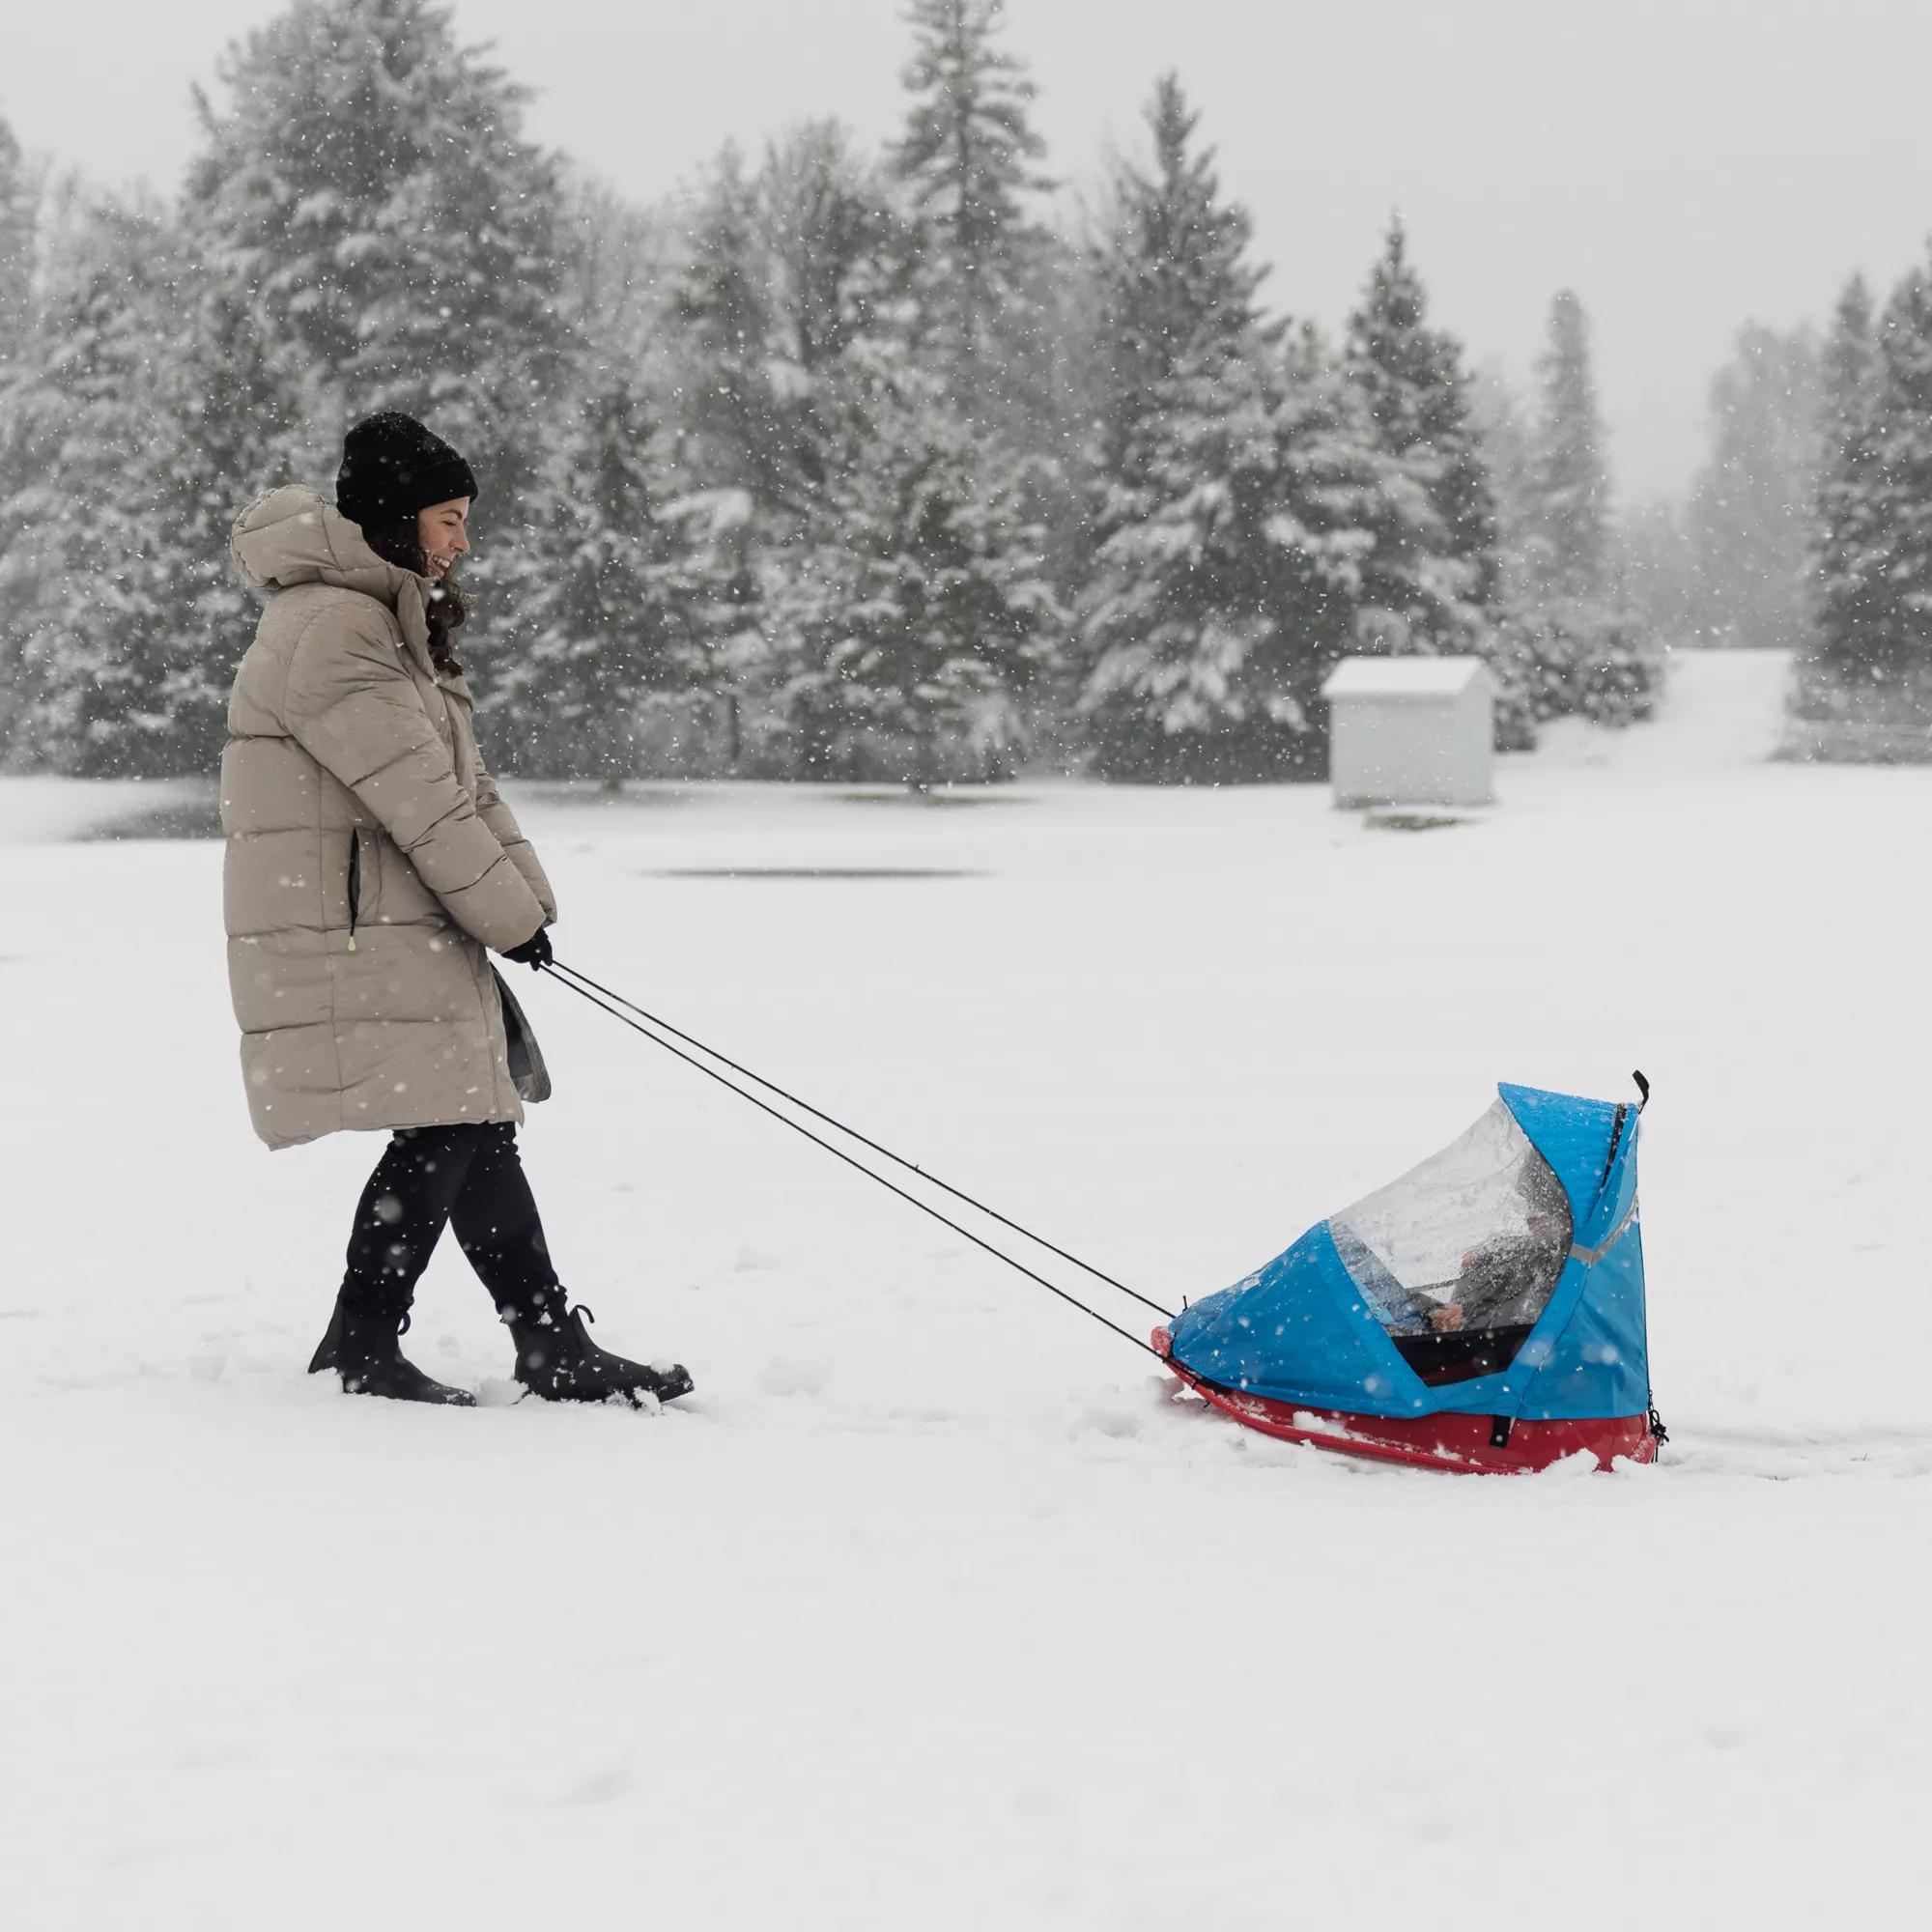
<point x="861" y="466"/>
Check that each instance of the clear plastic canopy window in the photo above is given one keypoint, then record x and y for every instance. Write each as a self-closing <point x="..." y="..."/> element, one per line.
<point x="1470" y="1242"/>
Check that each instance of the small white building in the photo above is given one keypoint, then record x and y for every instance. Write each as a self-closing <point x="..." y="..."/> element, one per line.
<point x="1411" y="731"/>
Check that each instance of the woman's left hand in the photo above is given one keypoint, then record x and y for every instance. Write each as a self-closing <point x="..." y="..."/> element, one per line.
<point x="534" y="952"/>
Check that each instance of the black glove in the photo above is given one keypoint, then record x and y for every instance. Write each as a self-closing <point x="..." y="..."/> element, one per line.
<point x="534" y="951"/>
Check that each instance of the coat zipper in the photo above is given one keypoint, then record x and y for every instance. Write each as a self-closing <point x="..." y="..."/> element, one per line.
<point x="355" y="883"/>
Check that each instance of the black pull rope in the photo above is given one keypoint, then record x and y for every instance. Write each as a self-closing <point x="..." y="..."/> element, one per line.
<point x="998" y="1254"/>
<point x="558" y="967"/>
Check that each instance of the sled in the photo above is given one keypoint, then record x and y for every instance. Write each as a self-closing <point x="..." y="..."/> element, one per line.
<point x="1465" y="1444"/>
<point x="1484" y="1314"/>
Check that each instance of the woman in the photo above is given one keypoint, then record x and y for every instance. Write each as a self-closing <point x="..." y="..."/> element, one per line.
<point x="370" y="865"/>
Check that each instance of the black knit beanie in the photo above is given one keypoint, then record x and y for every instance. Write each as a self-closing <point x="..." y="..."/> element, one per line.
<point x="392" y="466"/>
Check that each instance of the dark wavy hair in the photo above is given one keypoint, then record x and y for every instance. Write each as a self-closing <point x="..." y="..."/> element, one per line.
<point x="445" y="605"/>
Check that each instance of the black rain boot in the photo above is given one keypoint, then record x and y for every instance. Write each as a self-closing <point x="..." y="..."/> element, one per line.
<point x="365" y="1350"/>
<point x="557" y="1360"/>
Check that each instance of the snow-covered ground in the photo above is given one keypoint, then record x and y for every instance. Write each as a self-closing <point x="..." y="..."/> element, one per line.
<point x="931" y="1609"/>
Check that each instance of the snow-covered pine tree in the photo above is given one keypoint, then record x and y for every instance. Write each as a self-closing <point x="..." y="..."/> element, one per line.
<point x="616" y="261"/>
<point x="1412" y="379"/>
<point x="1173" y="607"/>
<point x="88" y="601"/>
<point x="839" y="253"/>
<point x="1175" y="286"/>
<point x="731" y="412"/>
<point x="1341" y="499"/>
<point x="1568" y="547"/>
<point x="997" y="293"/>
<point x="1590" y="652"/>
<point x="1896" y="562"/>
<point x="1750" y="512"/>
<point x="912" y="613"/>
<point x="1236" y="484"/>
<point x="1498" y="418"/>
<point x="367" y="197"/>
<point x="123" y="294"/>
<point x="230" y="408"/>
<point x="610" y="623"/>
<point x="788" y="271"/>
<point x="19" y="197"/>
<point x="19" y="249"/>
<point x="1851" y="370"/>
<point x="1851" y="646"/>
<point x="968" y="160"/>
<point x="785" y="269"/>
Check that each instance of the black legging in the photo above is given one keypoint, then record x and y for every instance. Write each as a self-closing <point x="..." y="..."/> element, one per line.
<point x="468" y="1175"/>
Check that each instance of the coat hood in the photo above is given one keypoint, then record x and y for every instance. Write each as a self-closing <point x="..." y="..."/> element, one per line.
<point x="291" y="536"/>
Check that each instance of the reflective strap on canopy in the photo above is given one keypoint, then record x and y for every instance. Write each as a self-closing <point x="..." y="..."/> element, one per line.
<point x="1590" y="1257"/>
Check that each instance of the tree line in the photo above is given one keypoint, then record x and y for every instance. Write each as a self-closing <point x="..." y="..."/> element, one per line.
<point x="837" y="465"/>
<point x="1809" y="527"/>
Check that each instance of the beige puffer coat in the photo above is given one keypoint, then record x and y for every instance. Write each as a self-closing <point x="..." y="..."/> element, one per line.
<point x="370" y="860"/>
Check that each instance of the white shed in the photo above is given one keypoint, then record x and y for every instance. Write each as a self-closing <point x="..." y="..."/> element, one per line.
<point x="1411" y="731"/>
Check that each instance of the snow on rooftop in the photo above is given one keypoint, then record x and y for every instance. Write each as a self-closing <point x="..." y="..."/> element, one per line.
<point x="1403" y="677"/>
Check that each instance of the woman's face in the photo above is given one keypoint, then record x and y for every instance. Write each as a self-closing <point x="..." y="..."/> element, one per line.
<point x="441" y="534"/>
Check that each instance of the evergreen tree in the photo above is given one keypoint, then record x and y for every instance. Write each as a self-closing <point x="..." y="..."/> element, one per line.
<point x="1587" y="649"/>
<point x="1851" y="371"/>
<point x="1223" y="605"/>
<point x="19" y="195"/>
<point x="616" y="272"/>
<point x="1567" y="552"/>
<point x="1175" y="288"/>
<point x="1498" y="417"/>
<point x="1188" y="620"/>
<point x="1877" y="619"/>
<point x="1417" y="395"/>
<point x="912" y="613"/>
<point x="967" y="159"/>
<point x="18" y="251"/>
<point x="222" y="395"/>
<point x="87" y="596"/>
<point x="1752" y="507"/>
<point x="792" y="275"/>
<point x="787" y="269"/>
<point x="1852" y="609"/>
<point x="838" y="251"/>
<point x="611" y="625"/>
<point x="1499" y="421"/>
<point x="997" y="300"/>
<point x="1239" y="489"/>
<point x="368" y="199"/>
<point x="722" y="307"/>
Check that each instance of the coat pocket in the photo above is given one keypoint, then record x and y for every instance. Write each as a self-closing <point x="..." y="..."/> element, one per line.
<point x="355" y="885"/>
<point x="393" y="891"/>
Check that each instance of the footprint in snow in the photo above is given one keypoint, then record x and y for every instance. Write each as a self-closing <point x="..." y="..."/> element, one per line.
<point x="1114" y="1421"/>
<point x="792" y="1375"/>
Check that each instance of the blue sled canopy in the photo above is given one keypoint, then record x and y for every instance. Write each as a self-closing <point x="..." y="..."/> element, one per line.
<point x="1502" y="1277"/>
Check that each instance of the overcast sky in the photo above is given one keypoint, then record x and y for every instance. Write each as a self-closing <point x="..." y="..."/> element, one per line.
<point x="1682" y="164"/>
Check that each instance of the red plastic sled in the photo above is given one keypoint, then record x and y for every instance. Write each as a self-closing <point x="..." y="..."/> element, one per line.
<point x="1465" y="1444"/>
